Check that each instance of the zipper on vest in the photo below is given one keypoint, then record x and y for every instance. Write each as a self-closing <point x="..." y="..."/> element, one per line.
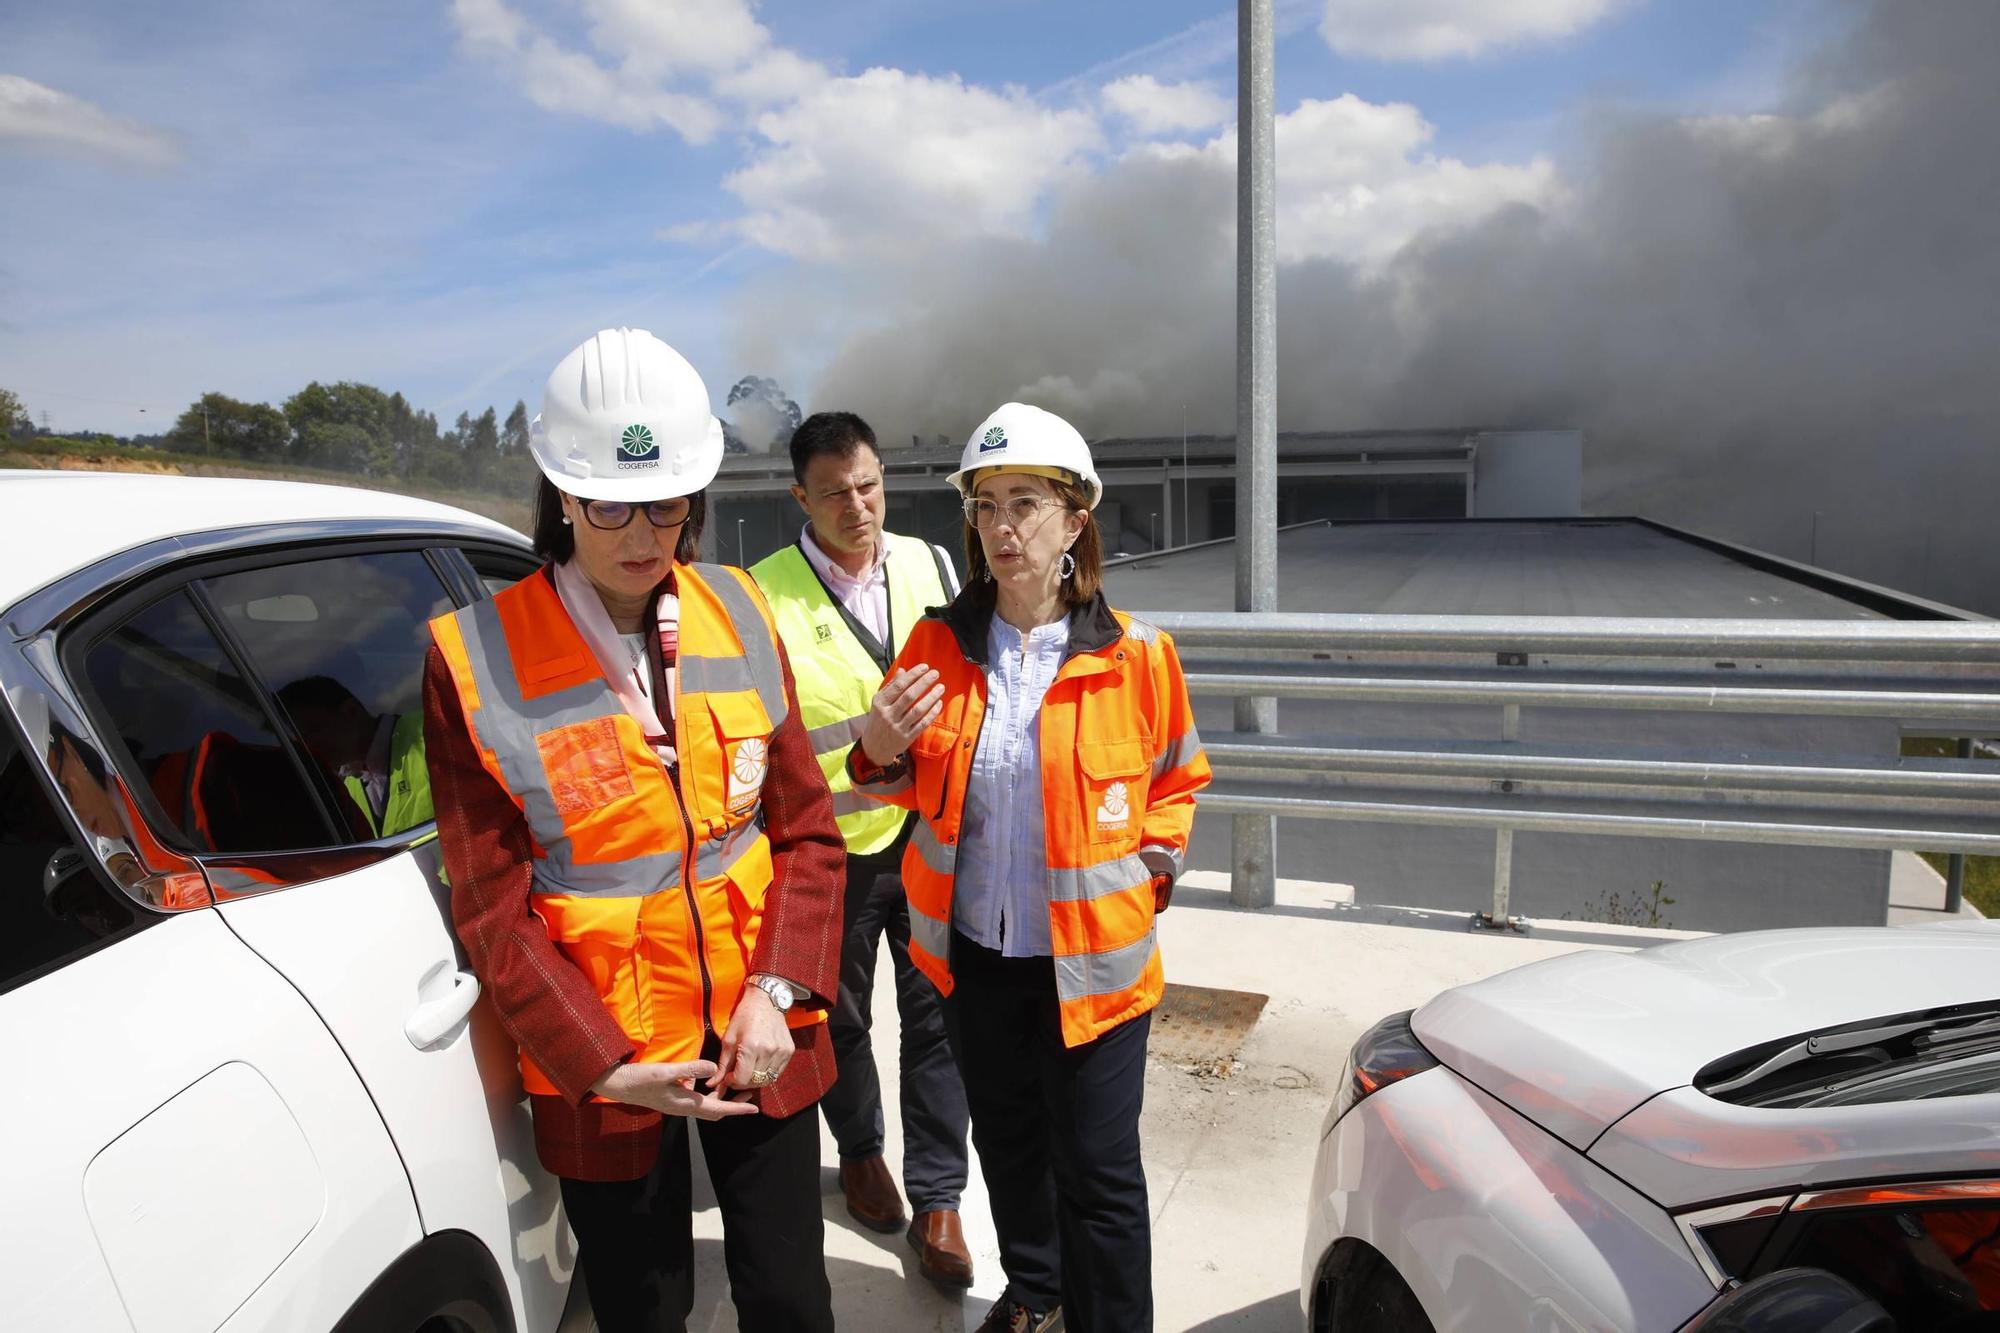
<point x="691" y="851"/>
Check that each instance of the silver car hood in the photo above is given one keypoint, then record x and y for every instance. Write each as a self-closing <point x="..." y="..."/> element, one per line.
<point x="1577" y="1043"/>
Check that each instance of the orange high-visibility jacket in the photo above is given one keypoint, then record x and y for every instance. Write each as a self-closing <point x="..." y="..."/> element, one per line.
<point x="1121" y="763"/>
<point x="652" y="886"/>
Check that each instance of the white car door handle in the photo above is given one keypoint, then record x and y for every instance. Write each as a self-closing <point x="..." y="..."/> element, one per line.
<point x="430" y="1021"/>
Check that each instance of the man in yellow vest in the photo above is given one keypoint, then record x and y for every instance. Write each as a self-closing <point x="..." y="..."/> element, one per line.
<point x="378" y="761"/>
<point x="845" y="596"/>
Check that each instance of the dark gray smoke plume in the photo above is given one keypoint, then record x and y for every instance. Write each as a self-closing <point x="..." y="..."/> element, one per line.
<point x="1782" y="329"/>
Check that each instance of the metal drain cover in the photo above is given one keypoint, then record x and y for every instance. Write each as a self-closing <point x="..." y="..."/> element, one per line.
<point x="1202" y="1029"/>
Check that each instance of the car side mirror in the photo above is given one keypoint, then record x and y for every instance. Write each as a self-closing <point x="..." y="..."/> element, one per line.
<point x="1793" y="1300"/>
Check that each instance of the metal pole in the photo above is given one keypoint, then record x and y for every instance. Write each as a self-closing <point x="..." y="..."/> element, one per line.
<point x="1254" y="854"/>
<point x="1954" y="866"/>
<point x="1156" y="529"/>
<point x="1187" y="519"/>
<point x="740" y="561"/>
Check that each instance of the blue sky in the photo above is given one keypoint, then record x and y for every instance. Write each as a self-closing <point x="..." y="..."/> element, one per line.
<point x="442" y="198"/>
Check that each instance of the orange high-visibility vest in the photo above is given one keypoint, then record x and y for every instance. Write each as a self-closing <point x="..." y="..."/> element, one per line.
<point x="651" y="882"/>
<point x="1121" y="763"/>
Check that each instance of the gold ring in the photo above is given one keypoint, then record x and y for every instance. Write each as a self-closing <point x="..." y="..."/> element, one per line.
<point x="763" y="1078"/>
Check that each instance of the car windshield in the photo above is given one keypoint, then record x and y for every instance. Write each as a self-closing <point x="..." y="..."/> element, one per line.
<point x="1949" y="1052"/>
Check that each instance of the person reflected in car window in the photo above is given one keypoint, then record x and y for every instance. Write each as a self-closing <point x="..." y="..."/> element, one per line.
<point x="378" y="760"/>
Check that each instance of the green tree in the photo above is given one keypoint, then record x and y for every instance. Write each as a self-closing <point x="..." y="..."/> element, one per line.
<point x="516" y="474"/>
<point x="479" y="449"/>
<point x="346" y="426"/>
<point x="14" y="418"/>
<point x="221" y="425"/>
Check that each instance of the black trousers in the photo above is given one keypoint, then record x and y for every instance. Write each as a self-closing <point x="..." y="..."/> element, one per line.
<point x="1057" y="1130"/>
<point x="635" y="1238"/>
<point x="932" y="1097"/>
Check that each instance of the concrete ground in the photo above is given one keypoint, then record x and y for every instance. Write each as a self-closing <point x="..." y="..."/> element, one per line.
<point x="1228" y="1159"/>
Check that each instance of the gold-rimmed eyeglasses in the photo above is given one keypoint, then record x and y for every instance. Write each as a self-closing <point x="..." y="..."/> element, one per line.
<point x="1019" y="510"/>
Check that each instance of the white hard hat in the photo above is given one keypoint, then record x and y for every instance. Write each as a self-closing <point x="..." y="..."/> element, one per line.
<point x="1020" y="438"/>
<point x="625" y="417"/>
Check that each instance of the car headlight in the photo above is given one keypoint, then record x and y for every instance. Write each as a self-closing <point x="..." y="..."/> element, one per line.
<point x="1386" y="1053"/>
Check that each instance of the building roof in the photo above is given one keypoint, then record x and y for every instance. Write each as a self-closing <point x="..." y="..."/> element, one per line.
<point x="1454" y="444"/>
<point x="1582" y="567"/>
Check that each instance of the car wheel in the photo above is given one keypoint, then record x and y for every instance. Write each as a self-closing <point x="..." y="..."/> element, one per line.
<point x="1361" y="1292"/>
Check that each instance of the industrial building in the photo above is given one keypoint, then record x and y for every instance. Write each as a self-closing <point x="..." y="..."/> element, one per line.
<point x="1168" y="491"/>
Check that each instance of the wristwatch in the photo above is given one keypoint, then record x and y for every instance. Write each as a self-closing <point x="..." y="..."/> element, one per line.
<point x="779" y="989"/>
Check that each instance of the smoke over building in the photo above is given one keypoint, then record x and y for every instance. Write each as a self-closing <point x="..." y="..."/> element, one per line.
<point x="1780" y="327"/>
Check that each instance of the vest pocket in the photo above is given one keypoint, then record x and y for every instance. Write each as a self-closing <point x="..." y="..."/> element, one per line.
<point x="601" y="936"/>
<point x="1115" y="774"/>
<point x="585" y="766"/>
<point x="743" y="732"/>
<point x="931" y="759"/>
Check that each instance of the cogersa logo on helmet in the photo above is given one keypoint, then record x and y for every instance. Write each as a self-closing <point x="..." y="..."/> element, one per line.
<point x="993" y="439"/>
<point x="637" y="449"/>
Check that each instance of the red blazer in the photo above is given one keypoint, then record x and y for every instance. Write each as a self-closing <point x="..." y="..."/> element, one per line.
<point x="547" y="1004"/>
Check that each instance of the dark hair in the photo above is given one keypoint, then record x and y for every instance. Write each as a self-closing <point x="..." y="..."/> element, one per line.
<point x="555" y="540"/>
<point x="87" y="755"/>
<point x="1085" y="582"/>
<point x="317" y="693"/>
<point x="832" y="434"/>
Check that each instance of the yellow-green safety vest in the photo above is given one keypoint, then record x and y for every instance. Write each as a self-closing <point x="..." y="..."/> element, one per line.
<point x="838" y="667"/>
<point x="408" y="801"/>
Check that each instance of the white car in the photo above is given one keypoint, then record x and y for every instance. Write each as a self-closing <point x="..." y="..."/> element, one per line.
<point x="1787" y="1131"/>
<point x="250" y="1085"/>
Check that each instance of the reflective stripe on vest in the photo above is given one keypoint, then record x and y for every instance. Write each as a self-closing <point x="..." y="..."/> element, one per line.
<point x="836" y="676"/>
<point x="666" y="944"/>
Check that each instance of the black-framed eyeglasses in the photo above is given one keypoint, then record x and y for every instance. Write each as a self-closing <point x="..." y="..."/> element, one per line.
<point x="611" y="515"/>
<point x="1019" y="510"/>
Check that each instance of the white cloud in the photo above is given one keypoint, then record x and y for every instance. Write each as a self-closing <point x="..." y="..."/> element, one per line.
<point x="677" y="36"/>
<point x="1443" y="29"/>
<point x="875" y="162"/>
<point x="566" y="81"/>
<point x="651" y="63"/>
<point x="33" y="114"/>
<point x="1153" y="107"/>
<point x="1356" y="182"/>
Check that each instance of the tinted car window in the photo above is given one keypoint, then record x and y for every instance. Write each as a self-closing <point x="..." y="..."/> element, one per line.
<point x="1936" y="1269"/>
<point x="204" y="746"/>
<point x="53" y="905"/>
<point x="498" y="569"/>
<point x="340" y="641"/>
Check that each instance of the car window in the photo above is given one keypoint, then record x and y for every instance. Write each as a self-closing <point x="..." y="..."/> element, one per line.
<point x="53" y="904"/>
<point x="500" y="569"/>
<point x="204" y="747"/>
<point x="340" y="642"/>
<point x="1932" y="1268"/>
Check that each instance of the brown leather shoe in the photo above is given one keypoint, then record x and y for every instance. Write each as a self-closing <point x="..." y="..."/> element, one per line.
<point x="940" y="1247"/>
<point x="872" y="1199"/>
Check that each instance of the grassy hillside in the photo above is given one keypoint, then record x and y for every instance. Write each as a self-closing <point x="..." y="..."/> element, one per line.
<point x="92" y="456"/>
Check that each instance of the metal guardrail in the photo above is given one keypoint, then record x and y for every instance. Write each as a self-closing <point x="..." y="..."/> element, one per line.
<point x="1933" y="678"/>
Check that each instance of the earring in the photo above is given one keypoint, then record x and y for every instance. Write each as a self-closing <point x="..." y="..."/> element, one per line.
<point x="986" y="574"/>
<point x="1066" y="566"/>
<point x="565" y="520"/>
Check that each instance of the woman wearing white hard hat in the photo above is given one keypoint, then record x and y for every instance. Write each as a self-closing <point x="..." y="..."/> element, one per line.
<point x="644" y="862"/>
<point x="1049" y="745"/>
